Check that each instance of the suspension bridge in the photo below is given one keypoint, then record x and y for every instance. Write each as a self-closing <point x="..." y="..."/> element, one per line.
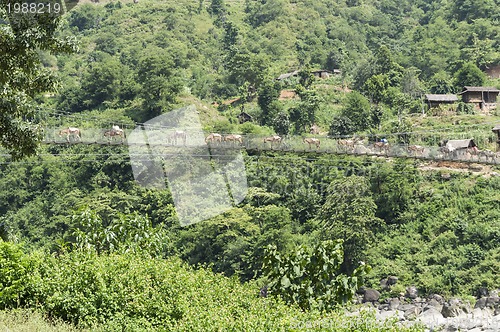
<point x="155" y="138"/>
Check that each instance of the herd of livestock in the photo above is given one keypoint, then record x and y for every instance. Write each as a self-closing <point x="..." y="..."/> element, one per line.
<point x="356" y="145"/>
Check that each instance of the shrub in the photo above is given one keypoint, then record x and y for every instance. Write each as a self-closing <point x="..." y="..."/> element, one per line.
<point x="14" y="269"/>
<point x="311" y="278"/>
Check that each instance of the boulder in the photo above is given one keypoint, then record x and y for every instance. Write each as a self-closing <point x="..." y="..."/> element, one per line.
<point x="383" y="307"/>
<point x="412" y="313"/>
<point x="392" y="280"/>
<point x="480" y="303"/>
<point x="483" y="292"/>
<point x="371" y="295"/>
<point x="433" y="303"/>
<point x="383" y="315"/>
<point x="437" y="297"/>
<point x="411" y="292"/>
<point x="406" y="306"/>
<point x="492" y="301"/>
<point x="393" y="303"/>
<point x="476" y="329"/>
<point x="383" y="284"/>
<point x="452" y="310"/>
<point x="432" y="318"/>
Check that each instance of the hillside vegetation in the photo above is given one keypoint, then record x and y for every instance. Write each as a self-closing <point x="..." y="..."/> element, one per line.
<point x="82" y="242"/>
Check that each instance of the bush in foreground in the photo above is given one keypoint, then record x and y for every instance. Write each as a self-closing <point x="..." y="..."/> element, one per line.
<point x="127" y="292"/>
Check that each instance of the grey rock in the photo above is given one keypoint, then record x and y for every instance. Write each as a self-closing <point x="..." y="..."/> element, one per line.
<point x="476" y="329"/>
<point x="437" y="297"/>
<point x="433" y="303"/>
<point x="451" y="310"/>
<point x="412" y="313"/>
<point x="383" y="284"/>
<point x="383" y="315"/>
<point x="371" y="295"/>
<point x="411" y="292"/>
<point x="492" y="301"/>
<point x="406" y="306"/>
<point x="394" y="303"/>
<point x="384" y="307"/>
<point x="480" y="303"/>
<point x="464" y="322"/>
<point x="432" y="318"/>
<point x="450" y="328"/>
<point x="392" y="280"/>
<point x="483" y="292"/>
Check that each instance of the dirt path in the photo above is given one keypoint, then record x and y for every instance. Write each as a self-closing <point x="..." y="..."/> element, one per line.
<point x="450" y="166"/>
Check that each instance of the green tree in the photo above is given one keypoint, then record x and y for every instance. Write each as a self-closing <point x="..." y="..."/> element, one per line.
<point x="14" y="272"/>
<point x="376" y="86"/>
<point x="281" y="123"/>
<point x="341" y="126"/>
<point x="349" y="214"/>
<point x="393" y="190"/>
<point x="230" y="35"/>
<point x="87" y="17"/>
<point x="469" y="75"/>
<point x="311" y="278"/>
<point x="102" y="82"/>
<point x="468" y="10"/>
<point x="268" y="101"/>
<point x="23" y="77"/>
<point x="160" y="83"/>
<point x="357" y="110"/>
<point x="304" y="115"/>
<point x="306" y="78"/>
<point x="125" y="233"/>
<point x="441" y="83"/>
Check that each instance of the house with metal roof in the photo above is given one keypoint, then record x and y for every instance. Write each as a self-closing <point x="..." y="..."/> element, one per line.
<point x="288" y="75"/>
<point x="434" y="100"/>
<point x="483" y="98"/>
<point x="461" y="144"/>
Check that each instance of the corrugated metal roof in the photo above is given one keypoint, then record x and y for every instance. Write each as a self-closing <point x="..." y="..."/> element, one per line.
<point x="479" y="89"/>
<point x="287" y="75"/>
<point x="440" y="97"/>
<point x="461" y="143"/>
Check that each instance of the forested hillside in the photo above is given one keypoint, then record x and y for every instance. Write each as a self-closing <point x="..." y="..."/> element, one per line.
<point x="82" y="241"/>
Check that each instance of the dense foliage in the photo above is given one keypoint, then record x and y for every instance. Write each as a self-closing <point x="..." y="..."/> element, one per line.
<point x="126" y="292"/>
<point x="23" y="77"/>
<point x="311" y="278"/>
<point x="100" y="251"/>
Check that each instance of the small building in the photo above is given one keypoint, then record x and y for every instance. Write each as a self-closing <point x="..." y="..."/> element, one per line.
<point x="483" y="98"/>
<point x="322" y="73"/>
<point x="244" y="117"/>
<point x="461" y="145"/>
<point x="434" y="100"/>
<point x="288" y="75"/>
